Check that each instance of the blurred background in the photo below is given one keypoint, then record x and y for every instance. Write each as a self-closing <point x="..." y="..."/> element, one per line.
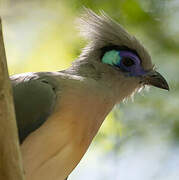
<point x="139" y="140"/>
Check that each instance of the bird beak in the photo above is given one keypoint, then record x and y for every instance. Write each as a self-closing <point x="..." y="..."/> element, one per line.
<point x="155" y="79"/>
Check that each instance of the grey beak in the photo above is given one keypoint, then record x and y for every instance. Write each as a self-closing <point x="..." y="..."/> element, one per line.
<point x="155" y="79"/>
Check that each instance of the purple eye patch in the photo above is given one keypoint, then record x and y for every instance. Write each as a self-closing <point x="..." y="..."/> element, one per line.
<point x="134" y="70"/>
<point x="126" y="60"/>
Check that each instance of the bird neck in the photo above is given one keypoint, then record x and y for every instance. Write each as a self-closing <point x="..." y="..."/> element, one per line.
<point x="112" y="81"/>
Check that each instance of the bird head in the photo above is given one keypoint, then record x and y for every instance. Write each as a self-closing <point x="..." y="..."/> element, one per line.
<point x="117" y="57"/>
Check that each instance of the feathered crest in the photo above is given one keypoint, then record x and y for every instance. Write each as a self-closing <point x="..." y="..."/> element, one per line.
<point x="101" y="30"/>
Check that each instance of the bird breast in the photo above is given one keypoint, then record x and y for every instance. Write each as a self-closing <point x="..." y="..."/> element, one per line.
<point x="55" y="149"/>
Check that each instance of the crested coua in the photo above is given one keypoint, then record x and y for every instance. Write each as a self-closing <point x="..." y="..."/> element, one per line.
<point x="59" y="113"/>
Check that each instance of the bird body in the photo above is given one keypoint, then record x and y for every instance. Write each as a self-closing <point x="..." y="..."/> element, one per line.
<point x="82" y="106"/>
<point x="59" y="113"/>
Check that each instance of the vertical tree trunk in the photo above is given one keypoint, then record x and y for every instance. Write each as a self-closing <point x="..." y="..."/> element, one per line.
<point x="10" y="158"/>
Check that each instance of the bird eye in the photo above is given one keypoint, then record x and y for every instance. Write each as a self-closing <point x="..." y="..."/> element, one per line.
<point x="128" y="61"/>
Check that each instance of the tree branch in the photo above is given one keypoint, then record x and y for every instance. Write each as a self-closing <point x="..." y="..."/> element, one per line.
<point x="10" y="158"/>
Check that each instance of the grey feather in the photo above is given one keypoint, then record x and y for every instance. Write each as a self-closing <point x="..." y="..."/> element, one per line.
<point x="34" y="98"/>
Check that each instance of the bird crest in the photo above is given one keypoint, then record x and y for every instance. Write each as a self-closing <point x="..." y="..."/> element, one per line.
<point x="102" y="31"/>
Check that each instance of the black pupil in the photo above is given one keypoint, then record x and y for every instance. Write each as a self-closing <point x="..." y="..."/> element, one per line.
<point x="128" y="61"/>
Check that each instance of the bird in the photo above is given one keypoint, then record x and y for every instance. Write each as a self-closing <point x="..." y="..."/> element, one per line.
<point x="59" y="113"/>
